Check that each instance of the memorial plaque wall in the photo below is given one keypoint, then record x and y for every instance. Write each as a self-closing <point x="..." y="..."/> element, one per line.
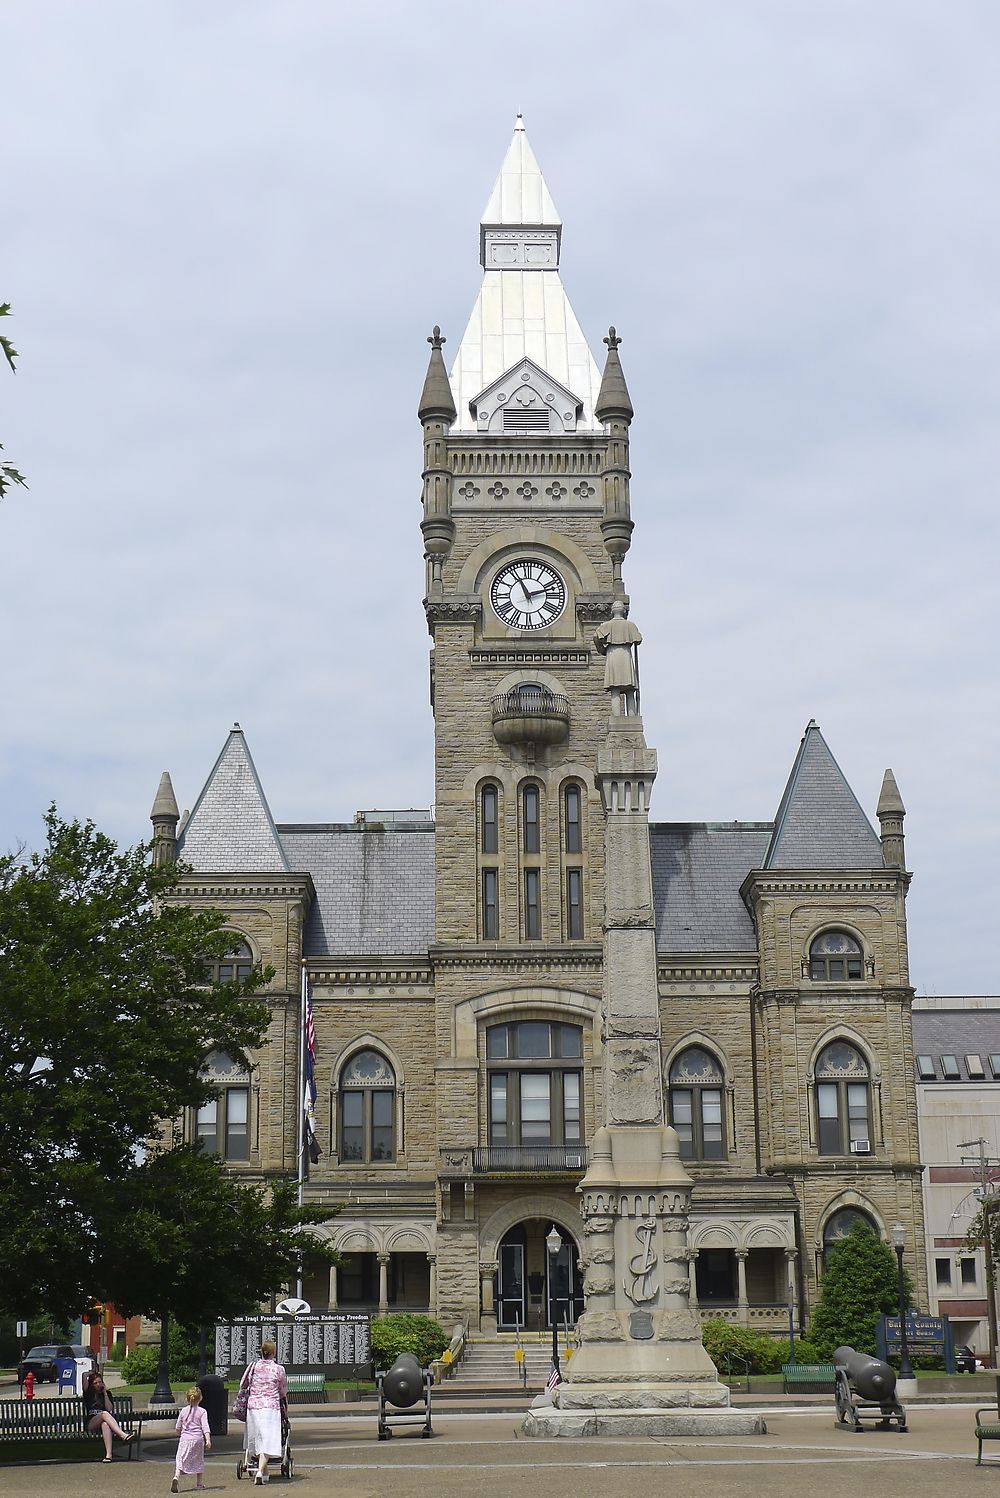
<point x="337" y="1342"/>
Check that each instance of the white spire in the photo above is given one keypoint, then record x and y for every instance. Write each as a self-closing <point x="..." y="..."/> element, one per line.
<point x="520" y="195"/>
<point x="522" y="310"/>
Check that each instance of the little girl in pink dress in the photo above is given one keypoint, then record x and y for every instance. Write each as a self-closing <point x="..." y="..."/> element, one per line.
<point x="195" y="1440"/>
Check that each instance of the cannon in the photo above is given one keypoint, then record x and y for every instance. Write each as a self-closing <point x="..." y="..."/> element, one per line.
<point x="399" y="1388"/>
<point x="865" y="1390"/>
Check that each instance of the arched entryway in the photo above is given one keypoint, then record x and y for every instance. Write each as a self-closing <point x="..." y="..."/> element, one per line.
<point x="529" y="1291"/>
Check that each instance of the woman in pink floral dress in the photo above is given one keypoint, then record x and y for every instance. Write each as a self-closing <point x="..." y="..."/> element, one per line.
<point x="267" y="1395"/>
<point x="195" y="1440"/>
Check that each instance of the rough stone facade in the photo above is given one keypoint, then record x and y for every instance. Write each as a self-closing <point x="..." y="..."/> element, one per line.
<point x="389" y="914"/>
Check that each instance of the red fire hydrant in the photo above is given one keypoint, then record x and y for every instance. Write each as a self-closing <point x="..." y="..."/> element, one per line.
<point x="29" y="1385"/>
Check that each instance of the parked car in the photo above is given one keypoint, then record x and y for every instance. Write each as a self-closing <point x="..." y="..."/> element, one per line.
<point x="966" y="1360"/>
<point x="42" y="1362"/>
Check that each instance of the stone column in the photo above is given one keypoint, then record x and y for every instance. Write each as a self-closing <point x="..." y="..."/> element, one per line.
<point x="693" y="1278"/>
<point x="432" y="1286"/>
<point x="742" y="1304"/>
<point x="383" y="1283"/>
<point x="487" y="1313"/>
<point x="333" y="1287"/>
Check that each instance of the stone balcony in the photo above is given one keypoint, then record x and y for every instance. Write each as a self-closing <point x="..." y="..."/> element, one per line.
<point x="530" y="714"/>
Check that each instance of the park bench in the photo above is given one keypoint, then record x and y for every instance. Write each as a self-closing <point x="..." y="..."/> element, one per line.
<point x="808" y="1378"/>
<point x="986" y="1430"/>
<point x="306" y="1388"/>
<point x="34" y="1421"/>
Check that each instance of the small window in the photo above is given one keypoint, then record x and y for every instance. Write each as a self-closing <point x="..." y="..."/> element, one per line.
<point x="531" y="830"/>
<point x="968" y="1267"/>
<point x="995" y="1066"/>
<point x="834" y="957"/>
<point x="574" y="904"/>
<point x="949" y="1068"/>
<point x="974" y="1066"/>
<point x="490" y="808"/>
<point x="491" y="910"/>
<point x="942" y="1272"/>
<point x="532" y="910"/>
<point x="925" y="1068"/>
<point x="235" y="966"/>
<point x="573" y="828"/>
<point x="222" y="1124"/>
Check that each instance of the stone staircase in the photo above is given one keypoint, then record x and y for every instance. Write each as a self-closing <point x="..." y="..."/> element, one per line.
<point x="489" y="1364"/>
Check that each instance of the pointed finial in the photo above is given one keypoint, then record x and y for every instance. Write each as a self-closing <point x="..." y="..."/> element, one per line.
<point x="613" y="399"/>
<point x="436" y="399"/>
<point x="890" y="802"/>
<point x="891" y="813"/>
<point x="519" y="122"/>
<point x="165" y="804"/>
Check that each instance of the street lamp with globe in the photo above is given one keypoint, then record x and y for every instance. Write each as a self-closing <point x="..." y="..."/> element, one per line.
<point x="554" y="1243"/>
<point x="899" y="1243"/>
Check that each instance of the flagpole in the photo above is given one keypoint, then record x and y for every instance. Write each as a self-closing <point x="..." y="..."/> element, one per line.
<point x="301" y="1093"/>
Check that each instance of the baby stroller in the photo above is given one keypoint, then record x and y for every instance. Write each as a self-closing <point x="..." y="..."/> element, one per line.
<point x="247" y="1464"/>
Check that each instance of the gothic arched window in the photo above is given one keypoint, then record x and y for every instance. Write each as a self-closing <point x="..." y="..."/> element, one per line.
<point x="367" y="1108"/>
<point x="835" y="956"/>
<point x="697" y="1087"/>
<point x="840" y="1224"/>
<point x="843" y="1101"/>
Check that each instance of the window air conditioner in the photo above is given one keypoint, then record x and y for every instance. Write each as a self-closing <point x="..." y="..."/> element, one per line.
<point x="861" y="1147"/>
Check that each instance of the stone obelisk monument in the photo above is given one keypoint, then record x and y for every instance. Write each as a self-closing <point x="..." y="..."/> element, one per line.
<point x="640" y="1367"/>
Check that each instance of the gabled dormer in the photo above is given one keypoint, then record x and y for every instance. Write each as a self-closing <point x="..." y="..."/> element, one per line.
<point x="526" y="401"/>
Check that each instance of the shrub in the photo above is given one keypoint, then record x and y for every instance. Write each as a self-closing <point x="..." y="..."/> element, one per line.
<point x="737" y="1349"/>
<point x="805" y="1352"/>
<point x="140" y="1365"/>
<point x="859" y="1283"/>
<point x="117" y="1352"/>
<point x="403" y="1332"/>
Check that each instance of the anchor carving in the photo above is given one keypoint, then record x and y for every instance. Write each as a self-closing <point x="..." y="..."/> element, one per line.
<point x="642" y="1266"/>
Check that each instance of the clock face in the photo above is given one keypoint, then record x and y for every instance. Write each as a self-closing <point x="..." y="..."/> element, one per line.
<point x="528" y="594"/>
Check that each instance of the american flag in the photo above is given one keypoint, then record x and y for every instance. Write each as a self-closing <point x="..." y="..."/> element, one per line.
<point x="309" y="1099"/>
<point x="555" y="1378"/>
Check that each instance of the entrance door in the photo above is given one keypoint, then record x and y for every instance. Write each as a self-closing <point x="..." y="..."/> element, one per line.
<point x="564" y="1295"/>
<point x="510" y="1285"/>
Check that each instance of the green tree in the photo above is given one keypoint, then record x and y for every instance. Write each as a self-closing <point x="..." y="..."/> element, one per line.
<point x="188" y="1243"/>
<point x="106" y="1017"/>
<point x="8" y="474"/>
<point x="859" y="1285"/>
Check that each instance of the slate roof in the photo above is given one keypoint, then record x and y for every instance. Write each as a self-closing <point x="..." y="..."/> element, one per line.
<point x="374" y="888"/>
<point x="231" y="830"/>
<point x="698" y="868"/>
<point x="820" y="824"/>
<point x="960" y="1032"/>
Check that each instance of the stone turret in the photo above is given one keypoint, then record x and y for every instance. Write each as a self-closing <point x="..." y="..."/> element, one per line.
<point x="436" y="412"/>
<point x="614" y="408"/>
<point x="164" y="817"/>
<point x="891" y="812"/>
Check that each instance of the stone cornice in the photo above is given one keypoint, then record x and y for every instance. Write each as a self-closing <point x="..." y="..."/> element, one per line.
<point x="511" y="654"/>
<point x="274" y="886"/>
<point x="777" y="882"/>
<point x="707" y="967"/>
<point x="844" y="1169"/>
<point x="518" y="959"/>
<point x="372" y="973"/>
<point x="458" y="608"/>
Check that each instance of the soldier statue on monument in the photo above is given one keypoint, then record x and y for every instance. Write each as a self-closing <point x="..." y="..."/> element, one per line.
<point x="619" y="640"/>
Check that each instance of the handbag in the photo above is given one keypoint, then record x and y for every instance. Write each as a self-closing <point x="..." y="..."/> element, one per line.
<point x="242" y="1395"/>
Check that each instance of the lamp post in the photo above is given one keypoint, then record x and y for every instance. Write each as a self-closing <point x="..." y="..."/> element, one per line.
<point x="899" y="1243"/>
<point x="553" y="1242"/>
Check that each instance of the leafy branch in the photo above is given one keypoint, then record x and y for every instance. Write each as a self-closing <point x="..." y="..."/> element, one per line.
<point x="8" y="473"/>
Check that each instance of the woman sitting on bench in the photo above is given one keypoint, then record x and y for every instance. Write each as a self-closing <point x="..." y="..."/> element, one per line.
<point x="99" y="1413"/>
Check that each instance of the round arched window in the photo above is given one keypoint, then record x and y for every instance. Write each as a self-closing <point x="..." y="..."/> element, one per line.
<point x="696" y="1089"/>
<point x="835" y="956"/>
<point x="368" y="1108"/>
<point x="841" y="1223"/>
<point x="843" y="1101"/>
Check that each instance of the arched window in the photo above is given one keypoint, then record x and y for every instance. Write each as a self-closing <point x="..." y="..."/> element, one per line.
<point x="531" y="831"/>
<point x="835" y="956"/>
<point x="222" y="1123"/>
<point x="531" y="861"/>
<point x="535" y="1091"/>
<point x="489" y="820"/>
<point x="843" y="1110"/>
<point x="696" y="1092"/>
<point x="237" y="964"/>
<point x="367" y="1108"/>
<point x="841" y="1223"/>
<point x="572" y="819"/>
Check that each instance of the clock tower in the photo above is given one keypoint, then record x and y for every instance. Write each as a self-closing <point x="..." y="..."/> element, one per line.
<point x="525" y="525"/>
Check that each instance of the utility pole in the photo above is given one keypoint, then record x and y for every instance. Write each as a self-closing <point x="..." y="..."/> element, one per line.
<point x="989" y="1205"/>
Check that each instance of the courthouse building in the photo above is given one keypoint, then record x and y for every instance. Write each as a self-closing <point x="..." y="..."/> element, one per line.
<point x="455" y="963"/>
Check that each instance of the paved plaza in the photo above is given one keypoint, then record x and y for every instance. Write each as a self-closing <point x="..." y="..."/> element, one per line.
<point x="485" y="1454"/>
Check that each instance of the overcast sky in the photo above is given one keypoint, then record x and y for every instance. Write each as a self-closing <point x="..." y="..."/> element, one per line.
<point x="226" y="231"/>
